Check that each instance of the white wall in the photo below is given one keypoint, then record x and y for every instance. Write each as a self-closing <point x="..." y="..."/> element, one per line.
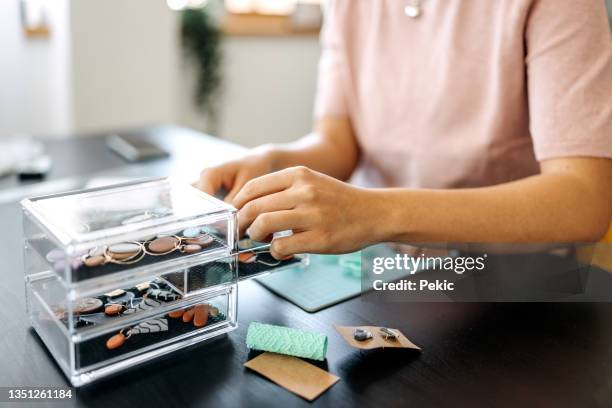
<point x="269" y="88"/>
<point x="125" y="63"/>
<point x="107" y="64"/>
<point x="34" y="74"/>
<point x="115" y="63"/>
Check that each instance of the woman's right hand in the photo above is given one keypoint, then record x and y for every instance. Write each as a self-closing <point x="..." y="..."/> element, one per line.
<point x="232" y="175"/>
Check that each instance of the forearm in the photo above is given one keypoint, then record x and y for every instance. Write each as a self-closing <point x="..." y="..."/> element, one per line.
<point x="330" y="149"/>
<point x="568" y="202"/>
<point x="542" y="208"/>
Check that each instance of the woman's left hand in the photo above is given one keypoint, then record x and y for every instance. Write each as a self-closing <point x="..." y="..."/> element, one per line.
<point x="325" y="214"/>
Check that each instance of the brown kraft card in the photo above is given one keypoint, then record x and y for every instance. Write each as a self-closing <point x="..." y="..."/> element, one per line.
<point x="293" y="374"/>
<point x="377" y="341"/>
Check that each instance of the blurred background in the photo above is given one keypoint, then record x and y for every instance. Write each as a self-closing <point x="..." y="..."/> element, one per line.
<point x="243" y="70"/>
<point x="73" y="72"/>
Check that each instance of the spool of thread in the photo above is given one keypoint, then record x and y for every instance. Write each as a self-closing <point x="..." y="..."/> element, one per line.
<point x="285" y="340"/>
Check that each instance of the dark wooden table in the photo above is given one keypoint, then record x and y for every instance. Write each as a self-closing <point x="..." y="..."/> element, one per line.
<point x="474" y="354"/>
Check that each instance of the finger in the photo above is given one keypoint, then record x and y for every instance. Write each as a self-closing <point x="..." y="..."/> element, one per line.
<point x="271" y="203"/>
<point x="267" y="224"/>
<point x="210" y="180"/>
<point x="240" y="181"/>
<point x="299" y="243"/>
<point x="208" y="186"/>
<point x="264" y="185"/>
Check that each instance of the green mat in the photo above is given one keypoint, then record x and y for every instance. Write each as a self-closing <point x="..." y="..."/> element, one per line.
<point x="326" y="281"/>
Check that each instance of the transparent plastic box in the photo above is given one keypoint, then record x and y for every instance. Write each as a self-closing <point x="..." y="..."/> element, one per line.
<point x="63" y="229"/>
<point x="119" y="275"/>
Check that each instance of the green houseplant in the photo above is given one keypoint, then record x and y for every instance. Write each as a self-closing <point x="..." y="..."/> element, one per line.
<point x="201" y="41"/>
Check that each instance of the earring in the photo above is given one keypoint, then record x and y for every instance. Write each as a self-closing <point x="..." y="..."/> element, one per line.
<point x="389" y="334"/>
<point x="250" y="257"/>
<point x="190" y="248"/>
<point x="113" y="309"/>
<point x="95" y="257"/>
<point x="162" y="245"/>
<point x="362" y="335"/>
<point x="126" y="253"/>
<point x="203" y="240"/>
<point x="198" y="314"/>
<point x="267" y="251"/>
<point x="247" y="257"/>
<point x="269" y="263"/>
<point x="145" y="304"/>
<point x="86" y="306"/>
<point x="164" y="295"/>
<point x="148" y="326"/>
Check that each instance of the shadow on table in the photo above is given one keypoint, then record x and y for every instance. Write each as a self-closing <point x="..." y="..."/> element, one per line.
<point x="364" y="368"/>
<point x="323" y="365"/>
<point x="184" y="373"/>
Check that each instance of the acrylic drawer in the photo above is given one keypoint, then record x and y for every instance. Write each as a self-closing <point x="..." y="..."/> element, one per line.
<point x="132" y="229"/>
<point x="108" y="344"/>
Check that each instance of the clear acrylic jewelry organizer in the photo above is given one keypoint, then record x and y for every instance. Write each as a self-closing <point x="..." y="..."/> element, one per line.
<point x="150" y="250"/>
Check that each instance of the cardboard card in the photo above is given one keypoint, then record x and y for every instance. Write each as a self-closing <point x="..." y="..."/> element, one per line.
<point x="377" y="341"/>
<point x="293" y="374"/>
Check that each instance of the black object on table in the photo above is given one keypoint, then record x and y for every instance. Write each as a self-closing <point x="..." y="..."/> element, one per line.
<point x="485" y="354"/>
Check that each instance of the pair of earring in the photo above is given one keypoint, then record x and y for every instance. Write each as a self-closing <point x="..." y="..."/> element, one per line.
<point x="154" y="296"/>
<point x="131" y="252"/>
<point x="125" y="253"/>
<point x="363" y="335"/>
<point x="131" y="306"/>
<point x="186" y="244"/>
<point x="252" y="257"/>
<point x="199" y="315"/>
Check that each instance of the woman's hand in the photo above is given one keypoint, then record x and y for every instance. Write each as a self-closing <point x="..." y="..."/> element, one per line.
<point x="325" y="214"/>
<point x="231" y="176"/>
<point x="331" y="148"/>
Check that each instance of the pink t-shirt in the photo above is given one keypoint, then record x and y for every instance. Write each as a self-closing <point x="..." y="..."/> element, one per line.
<point x="472" y="92"/>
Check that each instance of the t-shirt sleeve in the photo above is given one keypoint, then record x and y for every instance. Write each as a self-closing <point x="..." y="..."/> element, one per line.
<point x="330" y="97"/>
<point x="569" y="77"/>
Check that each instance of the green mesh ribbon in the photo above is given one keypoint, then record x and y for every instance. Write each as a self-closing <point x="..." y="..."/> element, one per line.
<point x="284" y="340"/>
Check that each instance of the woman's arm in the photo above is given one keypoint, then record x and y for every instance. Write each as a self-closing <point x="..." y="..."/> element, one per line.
<point x="569" y="201"/>
<point x="331" y="149"/>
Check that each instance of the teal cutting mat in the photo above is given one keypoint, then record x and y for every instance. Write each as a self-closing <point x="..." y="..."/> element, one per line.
<point x="327" y="280"/>
<point x="323" y="283"/>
